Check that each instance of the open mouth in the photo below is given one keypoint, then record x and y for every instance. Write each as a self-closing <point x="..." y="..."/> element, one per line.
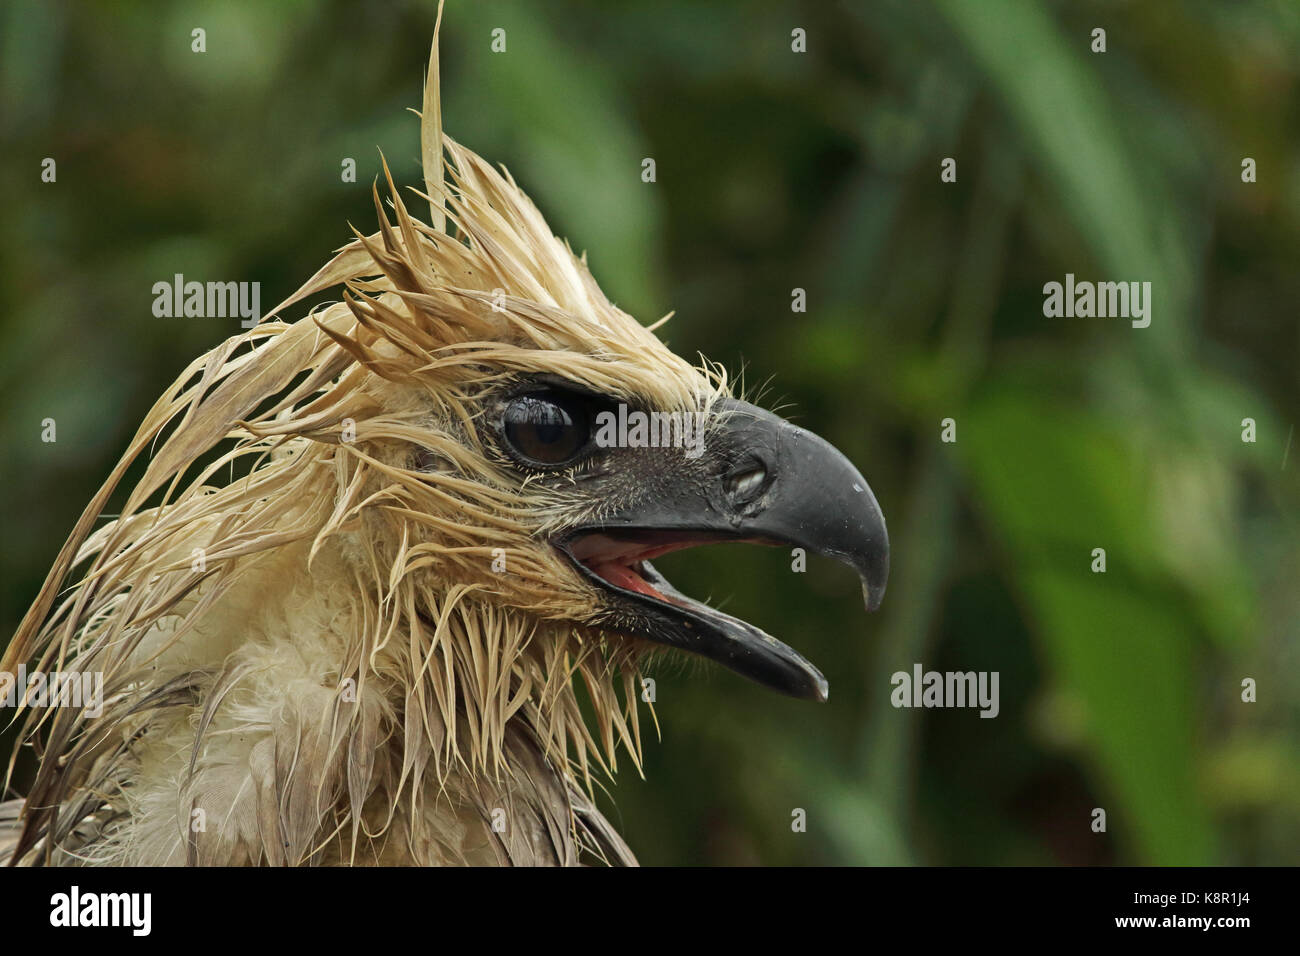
<point x="645" y="604"/>
<point x="622" y="560"/>
<point x="761" y="480"/>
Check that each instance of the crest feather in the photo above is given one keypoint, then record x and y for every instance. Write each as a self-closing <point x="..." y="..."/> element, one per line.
<point x="336" y="559"/>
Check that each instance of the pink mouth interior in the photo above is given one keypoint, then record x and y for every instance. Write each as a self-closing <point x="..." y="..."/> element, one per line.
<point x="618" y="560"/>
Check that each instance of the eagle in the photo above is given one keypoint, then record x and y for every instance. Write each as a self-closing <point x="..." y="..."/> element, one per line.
<point x="380" y="590"/>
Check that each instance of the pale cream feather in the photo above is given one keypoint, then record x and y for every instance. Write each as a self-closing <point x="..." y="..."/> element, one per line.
<point x="315" y="662"/>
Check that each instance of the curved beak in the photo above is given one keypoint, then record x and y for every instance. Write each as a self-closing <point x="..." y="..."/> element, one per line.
<point x="758" y="479"/>
<point x="816" y="498"/>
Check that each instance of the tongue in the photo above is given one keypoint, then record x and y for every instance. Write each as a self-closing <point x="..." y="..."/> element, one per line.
<point x="622" y="576"/>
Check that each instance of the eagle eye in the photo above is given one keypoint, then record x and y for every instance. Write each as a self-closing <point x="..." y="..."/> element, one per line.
<point x="547" y="428"/>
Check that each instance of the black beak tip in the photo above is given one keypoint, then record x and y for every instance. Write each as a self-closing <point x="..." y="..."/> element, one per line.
<point x="869" y="600"/>
<point x="821" y="690"/>
<point x="808" y="684"/>
<point x="874" y="578"/>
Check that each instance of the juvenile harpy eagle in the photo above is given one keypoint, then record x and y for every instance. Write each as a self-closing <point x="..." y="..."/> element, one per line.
<point x="342" y="616"/>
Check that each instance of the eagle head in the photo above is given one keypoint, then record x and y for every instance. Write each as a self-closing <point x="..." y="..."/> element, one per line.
<point x="394" y="534"/>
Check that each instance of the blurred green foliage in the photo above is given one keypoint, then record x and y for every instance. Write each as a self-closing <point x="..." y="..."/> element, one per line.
<point x="779" y="170"/>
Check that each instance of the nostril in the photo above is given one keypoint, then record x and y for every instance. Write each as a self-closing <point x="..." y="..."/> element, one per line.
<point x="747" y="482"/>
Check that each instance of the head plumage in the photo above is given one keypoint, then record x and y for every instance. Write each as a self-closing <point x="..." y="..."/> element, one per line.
<point x="354" y="435"/>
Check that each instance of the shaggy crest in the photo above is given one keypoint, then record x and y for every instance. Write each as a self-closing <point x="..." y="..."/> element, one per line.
<point x="300" y="614"/>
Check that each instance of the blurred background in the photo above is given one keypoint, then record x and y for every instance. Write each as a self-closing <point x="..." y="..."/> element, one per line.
<point x="775" y="171"/>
